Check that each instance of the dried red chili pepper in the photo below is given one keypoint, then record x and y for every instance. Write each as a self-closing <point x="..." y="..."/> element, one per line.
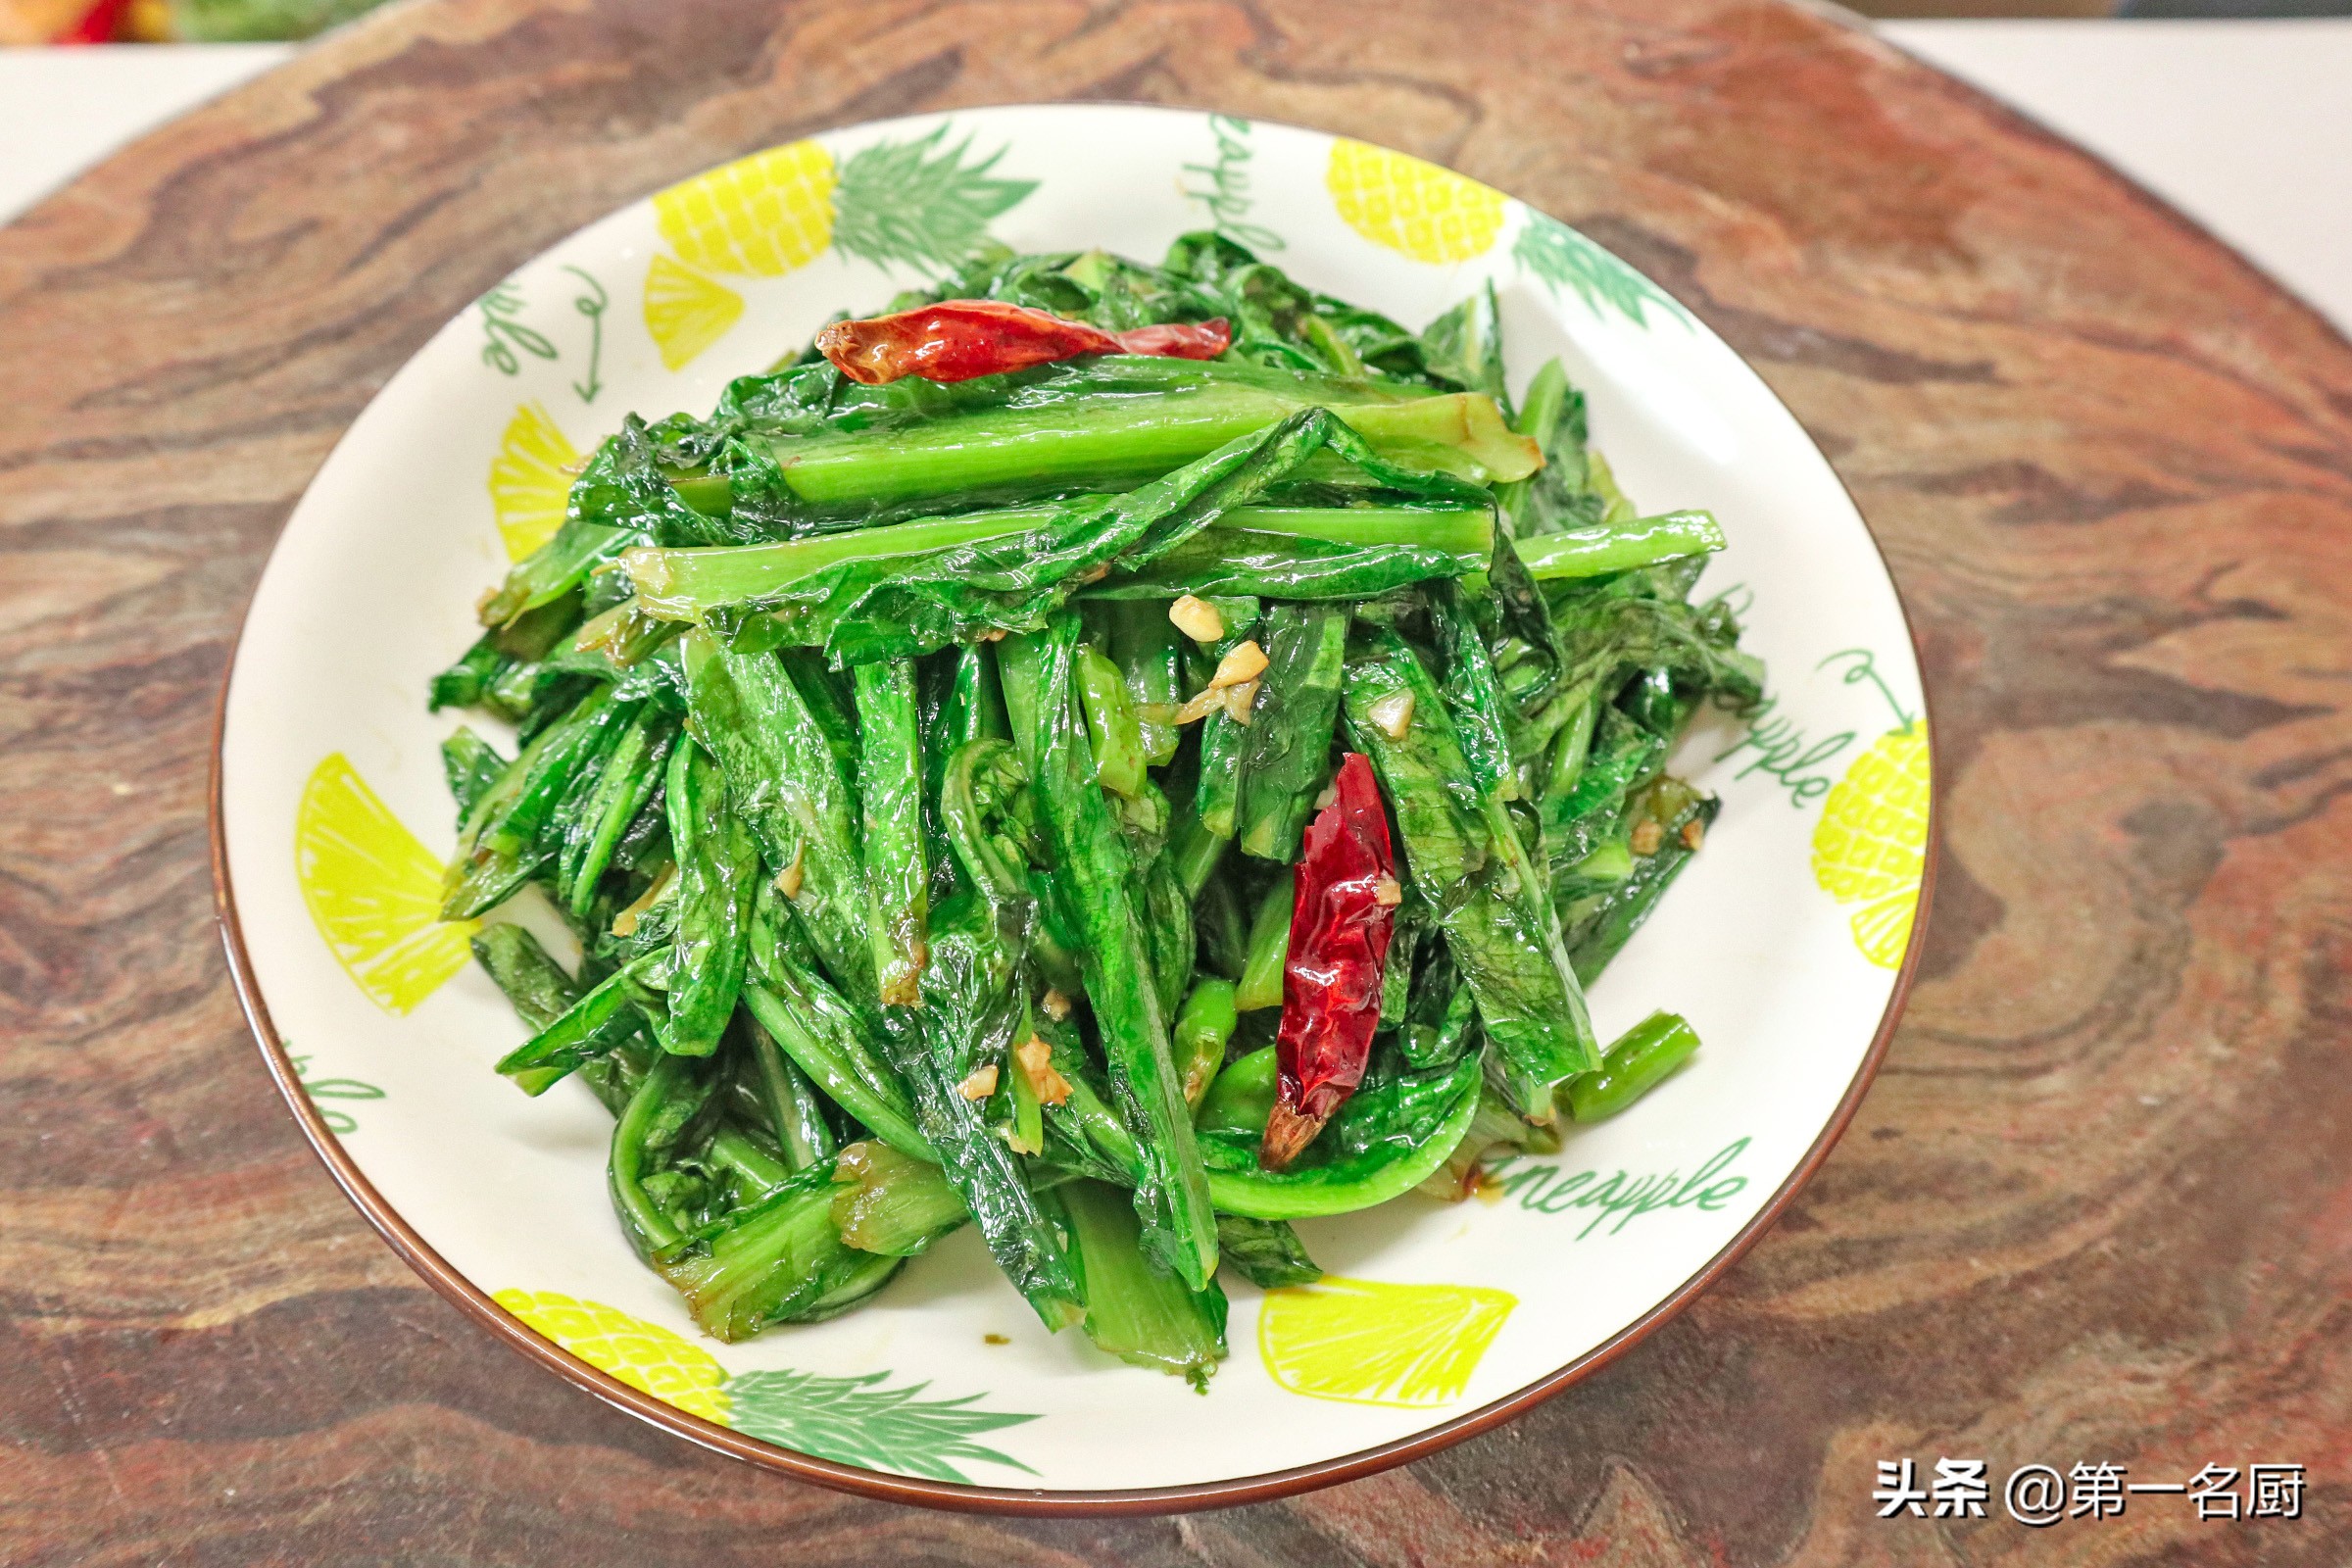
<point x="957" y="340"/>
<point x="1341" y="917"/>
<point x="98" y="24"/>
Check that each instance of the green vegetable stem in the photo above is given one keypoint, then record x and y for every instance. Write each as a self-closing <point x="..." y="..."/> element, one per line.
<point x="1639" y="1060"/>
<point x="922" y="772"/>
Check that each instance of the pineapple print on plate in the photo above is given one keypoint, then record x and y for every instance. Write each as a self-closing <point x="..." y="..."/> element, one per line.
<point x="850" y="1420"/>
<point x="919" y="204"/>
<point x="1372" y="1343"/>
<point x="1559" y="258"/>
<point x="373" y="892"/>
<point x="530" y="480"/>
<point x="1870" y="846"/>
<point x="1415" y="207"/>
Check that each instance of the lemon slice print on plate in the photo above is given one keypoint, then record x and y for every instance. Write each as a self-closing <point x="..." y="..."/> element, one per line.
<point x="1415" y="207"/>
<point x="920" y="204"/>
<point x="1870" y="847"/>
<point x="1373" y="1344"/>
<point x="530" y="480"/>
<point x="373" y="892"/>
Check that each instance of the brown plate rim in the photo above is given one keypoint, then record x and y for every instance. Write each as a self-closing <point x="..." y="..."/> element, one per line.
<point x="478" y="1304"/>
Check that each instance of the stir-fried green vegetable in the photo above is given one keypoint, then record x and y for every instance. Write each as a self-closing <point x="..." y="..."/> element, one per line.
<point x="944" y="782"/>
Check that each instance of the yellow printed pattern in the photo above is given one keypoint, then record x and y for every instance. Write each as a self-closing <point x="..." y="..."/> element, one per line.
<point x="645" y="1355"/>
<point x="685" y="313"/>
<point x="760" y="215"/>
<point x="1870" y="847"/>
<point x="373" y="892"/>
<point x="530" y="479"/>
<point x="1372" y="1343"/>
<point x="1427" y="212"/>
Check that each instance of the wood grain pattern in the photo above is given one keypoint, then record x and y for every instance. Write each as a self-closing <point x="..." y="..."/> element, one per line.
<point x="2098" y="1207"/>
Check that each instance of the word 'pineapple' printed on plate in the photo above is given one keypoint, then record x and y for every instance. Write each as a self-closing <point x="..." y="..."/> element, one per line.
<point x="1414" y="208"/>
<point x="1870" y="847"/>
<point x="848" y="1420"/>
<point x="530" y="480"/>
<point x="321" y="1090"/>
<point x="1367" y="1343"/>
<point x="917" y="204"/>
<point x="372" y="890"/>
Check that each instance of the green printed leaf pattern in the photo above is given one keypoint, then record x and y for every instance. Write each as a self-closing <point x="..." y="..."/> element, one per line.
<point x="854" y="1421"/>
<point x="899" y="205"/>
<point x="850" y="1420"/>
<point x="1563" y="259"/>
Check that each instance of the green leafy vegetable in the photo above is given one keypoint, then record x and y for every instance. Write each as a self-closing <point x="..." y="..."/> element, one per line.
<point x="927" y="824"/>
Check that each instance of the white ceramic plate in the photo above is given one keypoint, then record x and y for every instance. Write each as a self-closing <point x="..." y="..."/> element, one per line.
<point x="1785" y="942"/>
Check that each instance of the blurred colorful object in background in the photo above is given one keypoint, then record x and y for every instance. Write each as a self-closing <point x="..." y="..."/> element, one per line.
<point x="72" y="22"/>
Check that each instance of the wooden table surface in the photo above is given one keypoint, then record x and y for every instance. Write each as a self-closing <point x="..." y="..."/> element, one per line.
<point x="2095" y="1210"/>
